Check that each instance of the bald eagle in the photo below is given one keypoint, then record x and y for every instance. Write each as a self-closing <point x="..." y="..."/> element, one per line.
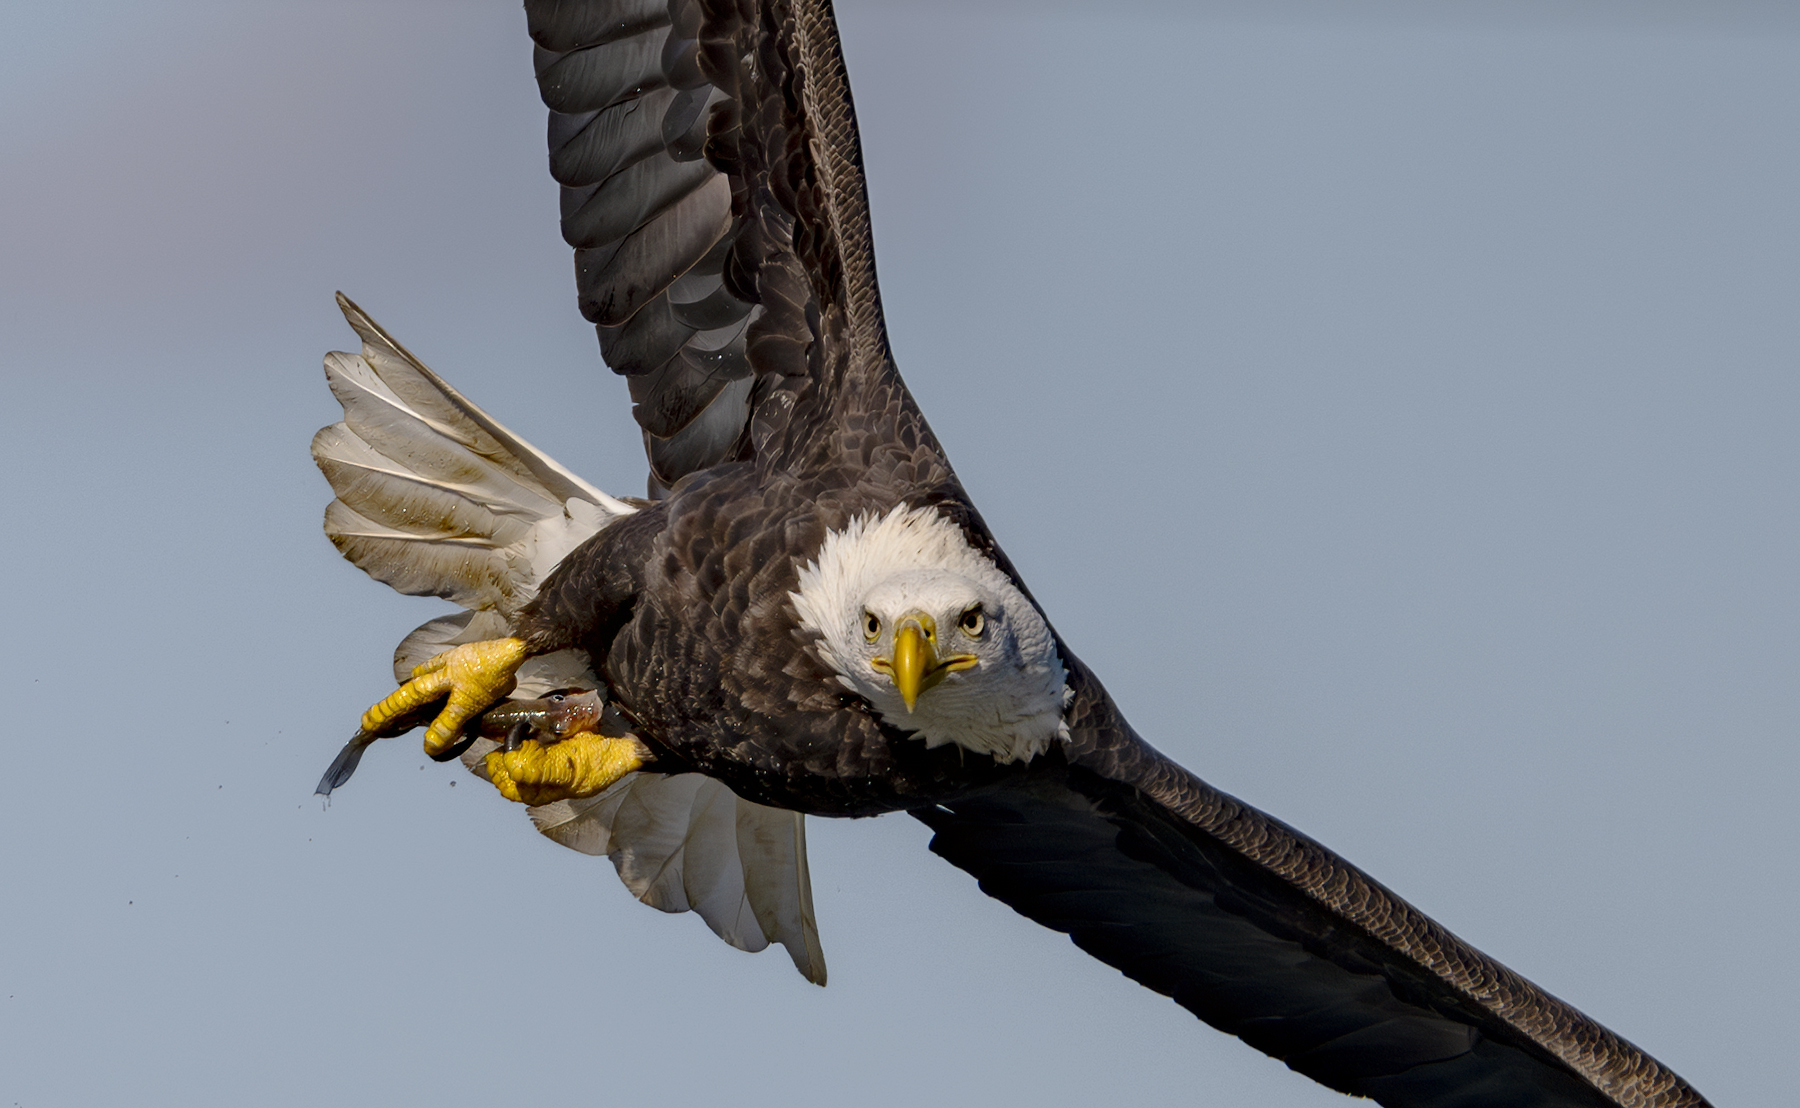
<point x="807" y="615"/>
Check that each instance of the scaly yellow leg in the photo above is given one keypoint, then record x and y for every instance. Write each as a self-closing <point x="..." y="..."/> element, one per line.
<point x="474" y="674"/>
<point x="581" y="765"/>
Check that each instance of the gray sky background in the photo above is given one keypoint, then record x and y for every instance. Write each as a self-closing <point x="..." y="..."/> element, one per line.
<point x="1395" y="405"/>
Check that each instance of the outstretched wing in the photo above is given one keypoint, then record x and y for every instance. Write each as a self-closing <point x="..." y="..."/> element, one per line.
<point x="712" y="188"/>
<point x="713" y="191"/>
<point x="1264" y="933"/>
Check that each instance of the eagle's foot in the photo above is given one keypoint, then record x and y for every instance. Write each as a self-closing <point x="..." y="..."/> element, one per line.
<point x="581" y="765"/>
<point x="472" y="675"/>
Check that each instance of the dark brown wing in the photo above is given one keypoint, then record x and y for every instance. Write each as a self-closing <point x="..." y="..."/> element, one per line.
<point x="1264" y="933"/>
<point x="713" y="190"/>
<point x="712" y="187"/>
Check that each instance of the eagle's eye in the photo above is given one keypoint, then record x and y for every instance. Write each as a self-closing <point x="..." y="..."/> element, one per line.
<point x="972" y="622"/>
<point x="871" y="626"/>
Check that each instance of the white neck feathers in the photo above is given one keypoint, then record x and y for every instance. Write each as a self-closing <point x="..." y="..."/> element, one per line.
<point x="1008" y="706"/>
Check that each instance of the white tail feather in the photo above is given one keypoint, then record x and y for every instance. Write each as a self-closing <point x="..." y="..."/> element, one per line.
<point x="419" y="387"/>
<point x="435" y="497"/>
<point x="688" y="843"/>
<point x="777" y="884"/>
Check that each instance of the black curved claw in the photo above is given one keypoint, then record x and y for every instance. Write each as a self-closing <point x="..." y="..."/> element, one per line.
<point x="454" y="750"/>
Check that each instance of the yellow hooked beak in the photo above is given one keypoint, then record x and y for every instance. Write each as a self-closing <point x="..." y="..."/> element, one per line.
<point x="915" y="665"/>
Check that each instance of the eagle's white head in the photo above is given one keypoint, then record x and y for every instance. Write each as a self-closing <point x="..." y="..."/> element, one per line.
<point x="933" y="635"/>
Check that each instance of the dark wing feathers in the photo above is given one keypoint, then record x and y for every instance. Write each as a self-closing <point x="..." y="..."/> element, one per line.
<point x="646" y="213"/>
<point x="614" y="207"/>
<point x="1264" y="933"/>
<point x="563" y="25"/>
<point x="713" y="191"/>
<point x="588" y="147"/>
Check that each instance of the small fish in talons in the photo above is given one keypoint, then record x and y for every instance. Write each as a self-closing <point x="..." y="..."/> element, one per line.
<point x="474" y="675"/>
<point x="578" y="766"/>
<point x="429" y="699"/>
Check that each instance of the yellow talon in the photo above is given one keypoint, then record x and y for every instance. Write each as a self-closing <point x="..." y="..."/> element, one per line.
<point x="474" y="675"/>
<point x="581" y="765"/>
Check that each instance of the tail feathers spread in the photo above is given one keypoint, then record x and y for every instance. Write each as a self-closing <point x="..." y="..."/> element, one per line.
<point x="436" y="498"/>
<point x="688" y="843"/>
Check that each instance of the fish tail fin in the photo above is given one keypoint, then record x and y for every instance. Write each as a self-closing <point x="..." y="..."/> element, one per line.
<point x="344" y="764"/>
